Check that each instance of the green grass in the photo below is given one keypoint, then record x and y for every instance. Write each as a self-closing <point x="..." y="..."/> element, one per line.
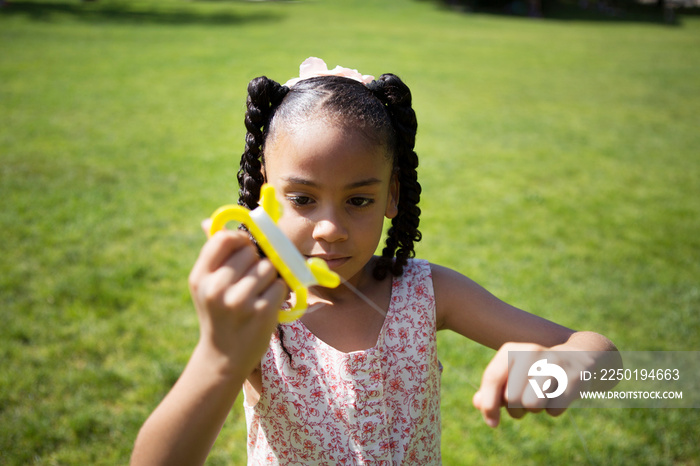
<point x="560" y="169"/>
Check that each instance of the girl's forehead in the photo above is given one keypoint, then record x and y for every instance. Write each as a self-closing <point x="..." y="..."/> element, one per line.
<point x="320" y="147"/>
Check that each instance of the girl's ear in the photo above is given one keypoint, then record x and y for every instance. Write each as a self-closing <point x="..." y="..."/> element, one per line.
<point x="392" y="206"/>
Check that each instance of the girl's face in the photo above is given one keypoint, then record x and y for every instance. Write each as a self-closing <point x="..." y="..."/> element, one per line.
<point x="336" y="188"/>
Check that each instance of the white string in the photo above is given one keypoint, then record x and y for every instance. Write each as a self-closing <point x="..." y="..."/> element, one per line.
<point x="315" y="307"/>
<point x="362" y="296"/>
<point x="359" y="293"/>
<point x="580" y="436"/>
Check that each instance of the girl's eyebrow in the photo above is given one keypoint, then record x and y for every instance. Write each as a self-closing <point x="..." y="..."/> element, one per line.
<point x="298" y="180"/>
<point x="363" y="183"/>
<point x="356" y="184"/>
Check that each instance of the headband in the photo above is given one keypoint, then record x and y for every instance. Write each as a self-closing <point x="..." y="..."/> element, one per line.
<point x="313" y="67"/>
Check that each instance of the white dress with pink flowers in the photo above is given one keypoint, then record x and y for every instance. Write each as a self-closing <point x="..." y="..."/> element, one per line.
<point x="379" y="406"/>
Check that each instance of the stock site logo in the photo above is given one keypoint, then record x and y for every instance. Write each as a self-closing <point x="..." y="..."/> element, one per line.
<point x="542" y="369"/>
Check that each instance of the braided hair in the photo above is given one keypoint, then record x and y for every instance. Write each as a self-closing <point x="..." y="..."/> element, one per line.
<point x="264" y="96"/>
<point x="396" y="96"/>
<point x="381" y="111"/>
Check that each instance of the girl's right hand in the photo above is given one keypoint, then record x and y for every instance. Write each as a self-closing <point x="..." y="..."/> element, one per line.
<point x="237" y="296"/>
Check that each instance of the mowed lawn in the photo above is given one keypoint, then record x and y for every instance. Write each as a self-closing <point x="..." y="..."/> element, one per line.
<point x="560" y="162"/>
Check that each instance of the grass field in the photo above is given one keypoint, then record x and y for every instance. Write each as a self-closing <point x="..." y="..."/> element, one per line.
<point x="560" y="162"/>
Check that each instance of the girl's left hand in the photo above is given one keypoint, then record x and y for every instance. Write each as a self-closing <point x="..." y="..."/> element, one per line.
<point x="499" y="390"/>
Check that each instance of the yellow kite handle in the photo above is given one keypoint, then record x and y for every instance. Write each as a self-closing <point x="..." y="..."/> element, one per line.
<point x="228" y="213"/>
<point x="296" y="272"/>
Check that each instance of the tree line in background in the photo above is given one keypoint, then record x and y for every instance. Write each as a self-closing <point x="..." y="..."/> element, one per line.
<point x="631" y="10"/>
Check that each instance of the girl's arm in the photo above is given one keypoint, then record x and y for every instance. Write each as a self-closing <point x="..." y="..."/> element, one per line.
<point x="237" y="297"/>
<point x="468" y="309"/>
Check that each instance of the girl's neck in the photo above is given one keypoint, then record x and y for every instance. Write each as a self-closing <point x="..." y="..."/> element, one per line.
<point x="350" y="318"/>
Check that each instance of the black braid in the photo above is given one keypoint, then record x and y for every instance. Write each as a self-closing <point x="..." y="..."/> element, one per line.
<point x="264" y="95"/>
<point x="393" y="93"/>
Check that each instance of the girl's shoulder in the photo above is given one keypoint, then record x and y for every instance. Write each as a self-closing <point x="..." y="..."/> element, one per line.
<point x="438" y="273"/>
<point x="442" y="277"/>
<point x="416" y="265"/>
<point x="458" y="296"/>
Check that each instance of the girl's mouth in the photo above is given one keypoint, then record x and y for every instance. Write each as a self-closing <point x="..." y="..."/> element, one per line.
<point x="333" y="261"/>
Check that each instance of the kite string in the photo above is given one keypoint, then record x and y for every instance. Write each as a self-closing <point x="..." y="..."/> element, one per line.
<point x="360" y="294"/>
<point x="580" y="436"/>
<point x="363" y="297"/>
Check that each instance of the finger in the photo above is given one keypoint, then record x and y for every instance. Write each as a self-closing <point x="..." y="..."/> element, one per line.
<point x="517" y="380"/>
<point x="531" y="402"/>
<point x="210" y="278"/>
<point x="490" y="392"/>
<point x="573" y="363"/>
<point x="221" y="247"/>
<point x="235" y="268"/>
<point x="520" y="395"/>
<point x="558" y="405"/>
<point x="253" y="283"/>
<point x="516" y="413"/>
<point x="555" y="411"/>
<point x="270" y="301"/>
<point x="476" y="400"/>
<point x="526" y="396"/>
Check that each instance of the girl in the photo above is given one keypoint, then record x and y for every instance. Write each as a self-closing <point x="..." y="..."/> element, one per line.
<point x="350" y="382"/>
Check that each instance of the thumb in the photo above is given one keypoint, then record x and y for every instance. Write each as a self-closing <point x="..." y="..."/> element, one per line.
<point x="490" y="416"/>
<point x="476" y="400"/>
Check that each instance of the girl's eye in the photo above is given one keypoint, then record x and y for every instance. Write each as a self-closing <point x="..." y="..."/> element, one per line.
<point x="361" y="201"/>
<point x="300" y="201"/>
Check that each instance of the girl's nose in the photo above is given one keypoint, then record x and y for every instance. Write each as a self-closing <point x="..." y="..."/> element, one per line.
<point x="330" y="229"/>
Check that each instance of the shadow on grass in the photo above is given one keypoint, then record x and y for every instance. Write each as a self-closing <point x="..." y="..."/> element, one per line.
<point x="605" y="11"/>
<point x="122" y="12"/>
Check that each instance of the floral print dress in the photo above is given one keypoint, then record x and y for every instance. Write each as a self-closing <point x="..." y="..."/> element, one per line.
<point x="379" y="406"/>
